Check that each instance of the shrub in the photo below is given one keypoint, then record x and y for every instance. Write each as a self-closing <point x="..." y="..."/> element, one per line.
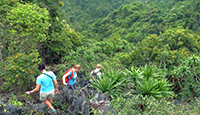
<point x="149" y="81"/>
<point x="150" y="106"/>
<point x="61" y="71"/>
<point x="14" y="101"/>
<point x="185" y="78"/>
<point x="21" y="70"/>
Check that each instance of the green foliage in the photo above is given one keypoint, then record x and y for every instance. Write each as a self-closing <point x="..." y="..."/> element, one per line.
<point x="148" y="106"/>
<point x="89" y="56"/>
<point x="112" y="82"/>
<point x="166" y="49"/>
<point x="55" y="13"/>
<point x="6" y="5"/>
<point x="61" y="70"/>
<point x="81" y="14"/>
<point x="113" y="45"/>
<point x="20" y="71"/>
<point x="134" y="73"/>
<point x="185" y="78"/>
<point x="164" y="33"/>
<point x="136" y="20"/>
<point x="148" y="81"/>
<point x="154" y="87"/>
<point x="14" y="101"/>
<point x="84" y="56"/>
<point x="36" y="25"/>
<point x="28" y="24"/>
<point x="62" y="44"/>
<point x="148" y="72"/>
<point x="95" y="112"/>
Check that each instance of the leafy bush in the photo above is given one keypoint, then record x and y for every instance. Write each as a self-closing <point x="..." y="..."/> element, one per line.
<point x="20" y="70"/>
<point x="14" y="101"/>
<point x="28" y="24"/>
<point x="88" y="57"/>
<point x="138" y="105"/>
<point x="185" y="78"/>
<point x="61" y="69"/>
<point x="83" y="55"/>
<point x="147" y="81"/>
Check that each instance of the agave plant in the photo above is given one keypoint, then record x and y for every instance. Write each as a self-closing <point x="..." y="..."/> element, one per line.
<point x="111" y="82"/>
<point x="148" y="72"/>
<point x="134" y="73"/>
<point x="153" y="87"/>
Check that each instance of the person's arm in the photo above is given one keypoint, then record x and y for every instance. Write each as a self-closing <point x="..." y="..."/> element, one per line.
<point x="91" y="74"/>
<point x="66" y="75"/>
<point x="55" y="85"/>
<point x="37" y="88"/>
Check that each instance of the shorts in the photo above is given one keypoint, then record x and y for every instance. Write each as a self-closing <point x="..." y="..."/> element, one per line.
<point x="44" y="96"/>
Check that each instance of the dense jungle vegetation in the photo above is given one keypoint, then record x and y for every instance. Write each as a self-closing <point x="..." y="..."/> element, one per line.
<point x="150" y="47"/>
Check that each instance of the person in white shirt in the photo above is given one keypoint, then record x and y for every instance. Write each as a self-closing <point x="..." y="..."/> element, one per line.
<point x="96" y="74"/>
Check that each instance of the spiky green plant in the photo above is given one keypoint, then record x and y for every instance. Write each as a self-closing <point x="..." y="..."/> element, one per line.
<point x="148" y="72"/>
<point x="153" y="87"/>
<point x="134" y="73"/>
<point x="111" y="82"/>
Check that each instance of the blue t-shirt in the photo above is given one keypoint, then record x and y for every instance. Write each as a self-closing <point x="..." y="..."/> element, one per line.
<point x="73" y="80"/>
<point x="46" y="82"/>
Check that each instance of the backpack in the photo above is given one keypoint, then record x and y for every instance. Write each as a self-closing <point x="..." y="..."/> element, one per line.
<point x="94" y="74"/>
<point x="67" y="78"/>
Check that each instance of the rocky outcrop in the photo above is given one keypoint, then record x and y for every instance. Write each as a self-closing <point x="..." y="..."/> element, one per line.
<point x="8" y="109"/>
<point x="78" y="105"/>
<point x="101" y="103"/>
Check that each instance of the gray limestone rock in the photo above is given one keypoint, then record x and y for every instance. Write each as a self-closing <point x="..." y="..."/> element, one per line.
<point x="101" y="103"/>
<point x="9" y="109"/>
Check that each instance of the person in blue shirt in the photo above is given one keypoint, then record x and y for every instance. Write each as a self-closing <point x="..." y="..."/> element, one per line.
<point x="46" y="83"/>
<point x="72" y="81"/>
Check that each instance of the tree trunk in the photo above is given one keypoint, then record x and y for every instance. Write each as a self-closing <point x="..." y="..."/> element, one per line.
<point x="1" y="56"/>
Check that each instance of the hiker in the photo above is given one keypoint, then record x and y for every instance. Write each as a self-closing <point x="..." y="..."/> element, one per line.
<point x="95" y="73"/>
<point x="72" y="75"/>
<point x="46" y="83"/>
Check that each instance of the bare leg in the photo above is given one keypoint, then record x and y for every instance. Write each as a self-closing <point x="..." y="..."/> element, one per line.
<point x="48" y="103"/>
<point x="50" y="100"/>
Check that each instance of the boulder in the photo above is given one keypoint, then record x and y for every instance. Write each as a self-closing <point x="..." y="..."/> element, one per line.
<point x="4" y="99"/>
<point x="78" y="105"/>
<point x="8" y="109"/>
<point x="101" y="103"/>
<point x="1" y="103"/>
<point x="40" y="108"/>
<point x="67" y="93"/>
<point x="81" y="82"/>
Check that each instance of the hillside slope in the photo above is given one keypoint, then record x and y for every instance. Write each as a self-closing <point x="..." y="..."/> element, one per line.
<point x="136" y="20"/>
<point x="82" y="13"/>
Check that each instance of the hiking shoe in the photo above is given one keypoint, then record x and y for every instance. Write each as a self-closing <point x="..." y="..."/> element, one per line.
<point x="52" y="111"/>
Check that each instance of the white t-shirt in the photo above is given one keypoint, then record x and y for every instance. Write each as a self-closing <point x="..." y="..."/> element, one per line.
<point x="98" y="73"/>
